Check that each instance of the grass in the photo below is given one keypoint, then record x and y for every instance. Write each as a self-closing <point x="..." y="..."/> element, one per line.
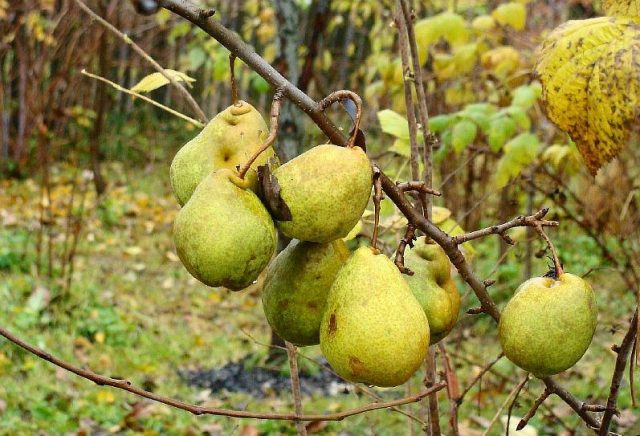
<point x="133" y="311"/>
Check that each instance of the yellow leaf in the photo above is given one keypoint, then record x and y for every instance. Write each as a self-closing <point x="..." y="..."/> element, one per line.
<point x="591" y="84"/>
<point x="439" y="214"/>
<point x="483" y="23"/>
<point x="502" y="60"/>
<point x="157" y="80"/>
<point x="99" y="337"/>
<point x="624" y="8"/>
<point x="354" y="232"/>
<point x="511" y="14"/>
<point x="105" y="396"/>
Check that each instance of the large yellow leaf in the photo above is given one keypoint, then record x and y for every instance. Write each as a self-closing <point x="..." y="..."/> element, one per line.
<point x="590" y="74"/>
<point x="157" y="80"/>
<point x="625" y="8"/>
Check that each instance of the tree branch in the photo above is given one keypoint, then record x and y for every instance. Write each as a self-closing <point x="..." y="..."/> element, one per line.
<point x="126" y="385"/>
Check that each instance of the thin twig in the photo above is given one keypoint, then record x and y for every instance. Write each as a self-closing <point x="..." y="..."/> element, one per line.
<point x="453" y="389"/>
<point x="377" y="199"/>
<point x="520" y="221"/>
<point x="345" y="94"/>
<point x="273" y="132"/>
<point x="478" y="376"/>
<point x="183" y="91"/>
<point x="510" y="399"/>
<point x="418" y="187"/>
<point x="556" y="259"/>
<point x="403" y="44"/>
<point x="126" y="385"/>
<point x="428" y="138"/>
<point x="232" y="79"/>
<point x="621" y="362"/>
<point x="295" y="386"/>
<point x="534" y="408"/>
<point x="407" y="240"/>
<point x="429" y="381"/>
<point x="145" y="98"/>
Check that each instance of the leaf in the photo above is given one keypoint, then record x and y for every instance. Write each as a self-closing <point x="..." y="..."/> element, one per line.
<point x="591" y="84"/>
<point x="463" y="134"/>
<point x="448" y="26"/>
<point x="511" y="14"/>
<point x="440" y="122"/>
<point x="500" y="130"/>
<point x="518" y="154"/>
<point x="519" y="115"/>
<point x="439" y="214"/>
<point x="624" y="8"/>
<point x="157" y="80"/>
<point x="525" y="96"/>
<point x="394" y="124"/>
<point x="501" y="60"/>
<point x="483" y="23"/>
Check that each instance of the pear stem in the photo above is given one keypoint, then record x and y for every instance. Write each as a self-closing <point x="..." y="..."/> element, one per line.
<point x="345" y="94"/>
<point x="232" y="79"/>
<point x="556" y="259"/>
<point x="273" y="132"/>
<point x="377" y="198"/>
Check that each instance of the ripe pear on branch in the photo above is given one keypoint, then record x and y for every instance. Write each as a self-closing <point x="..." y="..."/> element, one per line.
<point x="373" y="329"/>
<point x="325" y="190"/>
<point x="227" y="141"/>
<point x="296" y="288"/>
<point x="433" y="286"/>
<point x="548" y="324"/>
<point x="224" y="236"/>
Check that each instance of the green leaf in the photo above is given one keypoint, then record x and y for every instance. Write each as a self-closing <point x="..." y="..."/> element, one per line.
<point x="440" y="122"/>
<point x="157" y="80"/>
<point x="500" y="131"/>
<point x="519" y="153"/>
<point x="525" y="96"/>
<point x="463" y="134"/>
<point x="519" y="115"/>
<point x="394" y="124"/>
<point x="196" y="57"/>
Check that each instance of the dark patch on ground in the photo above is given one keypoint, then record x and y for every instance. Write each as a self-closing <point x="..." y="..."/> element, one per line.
<point x="260" y="381"/>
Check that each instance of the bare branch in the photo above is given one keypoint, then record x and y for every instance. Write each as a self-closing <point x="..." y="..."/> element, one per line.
<point x="183" y="91"/>
<point x="418" y="187"/>
<point x="520" y="221"/>
<point x="531" y="413"/>
<point x="295" y="386"/>
<point x="621" y="361"/>
<point x="409" y="237"/>
<point x="126" y="385"/>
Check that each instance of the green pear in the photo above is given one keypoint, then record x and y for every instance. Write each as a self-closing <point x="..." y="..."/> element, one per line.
<point x="228" y="140"/>
<point x="326" y="190"/>
<point x="224" y="235"/>
<point x="296" y="288"/>
<point x="373" y="329"/>
<point x="548" y="324"/>
<point x="433" y="286"/>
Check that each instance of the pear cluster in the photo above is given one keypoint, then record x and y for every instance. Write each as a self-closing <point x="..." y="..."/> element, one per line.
<point x="373" y="324"/>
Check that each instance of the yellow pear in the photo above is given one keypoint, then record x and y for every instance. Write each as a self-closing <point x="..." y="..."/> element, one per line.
<point x="433" y="286"/>
<point x="326" y="189"/>
<point x="224" y="236"/>
<point x="373" y="329"/>
<point x="228" y="140"/>
<point x="548" y="324"/>
<point x="296" y="288"/>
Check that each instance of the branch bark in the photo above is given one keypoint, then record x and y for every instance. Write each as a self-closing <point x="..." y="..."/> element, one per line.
<point x="126" y="385"/>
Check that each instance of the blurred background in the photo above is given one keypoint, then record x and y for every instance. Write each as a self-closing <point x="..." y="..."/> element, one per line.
<point x="89" y="272"/>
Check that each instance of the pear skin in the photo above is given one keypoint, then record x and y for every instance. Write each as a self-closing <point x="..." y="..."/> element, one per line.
<point x="548" y="324"/>
<point x="296" y="288"/>
<point x="373" y="330"/>
<point x="326" y="189"/>
<point x="228" y="140"/>
<point x="433" y="286"/>
<point x="224" y="236"/>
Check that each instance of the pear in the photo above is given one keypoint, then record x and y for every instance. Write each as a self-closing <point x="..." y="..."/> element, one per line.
<point x="548" y="324"/>
<point x="326" y="190"/>
<point x="228" y="140"/>
<point x="373" y="329"/>
<point x="224" y="235"/>
<point x="433" y="286"/>
<point x="296" y="288"/>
